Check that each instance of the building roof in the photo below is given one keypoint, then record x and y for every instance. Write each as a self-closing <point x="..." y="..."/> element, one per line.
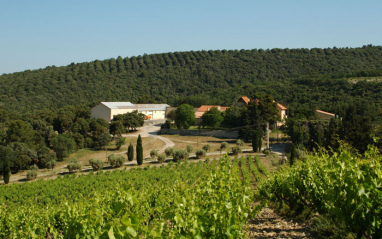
<point x="325" y="113"/>
<point x="281" y="107"/>
<point x="142" y="107"/>
<point x="119" y="105"/>
<point x="245" y="99"/>
<point x="202" y="109"/>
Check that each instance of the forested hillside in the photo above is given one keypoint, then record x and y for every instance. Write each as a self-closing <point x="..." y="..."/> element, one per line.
<point x="322" y="78"/>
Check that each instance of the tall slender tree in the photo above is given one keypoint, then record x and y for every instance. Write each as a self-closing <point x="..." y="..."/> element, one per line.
<point x="139" y="150"/>
<point x="130" y="152"/>
<point x="5" y="155"/>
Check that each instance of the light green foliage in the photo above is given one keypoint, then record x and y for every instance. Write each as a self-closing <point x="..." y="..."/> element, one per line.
<point x="343" y="185"/>
<point x="116" y="160"/>
<point x="200" y="153"/>
<point x="169" y="151"/>
<point x="240" y="143"/>
<point x="153" y="153"/>
<point x="32" y="172"/>
<point x="184" y="116"/>
<point x="223" y="146"/>
<point x="193" y="200"/>
<point x="97" y="164"/>
<point x="207" y="147"/>
<point x="179" y="155"/>
<point x="189" y="149"/>
<point x="74" y="166"/>
<point x="161" y="158"/>
<point x="236" y="150"/>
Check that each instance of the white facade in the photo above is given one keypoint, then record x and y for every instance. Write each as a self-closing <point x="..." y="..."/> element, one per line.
<point x="107" y="110"/>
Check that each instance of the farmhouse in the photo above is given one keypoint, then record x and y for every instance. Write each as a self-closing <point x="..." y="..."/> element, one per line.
<point x="107" y="110"/>
<point x="244" y="100"/>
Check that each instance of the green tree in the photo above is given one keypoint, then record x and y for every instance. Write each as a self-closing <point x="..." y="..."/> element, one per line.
<point x="212" y="118"/>
<point x="139" y="150"/>
<point x="6" y="155"/>
<point x="116" y="127"/>
<point x="119" y="141"/>
<point x="63" y="146"/>
<point x="184" y="116"/>
<point x="130" y="152"/>
<point x="20" y="131"/>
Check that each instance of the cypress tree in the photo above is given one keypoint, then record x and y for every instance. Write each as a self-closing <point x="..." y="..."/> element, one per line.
<point x="255" y="141"/>
<point x="292" y="154"/>
<point x="139" y="150"/>
<point x="5" y="153"/>
<point x="130" y="152"/>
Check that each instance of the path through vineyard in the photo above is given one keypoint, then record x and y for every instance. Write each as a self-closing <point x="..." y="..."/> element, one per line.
<point x="269" y="224"/>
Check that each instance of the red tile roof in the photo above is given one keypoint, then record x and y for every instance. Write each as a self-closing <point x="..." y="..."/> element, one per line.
<point x="199" y="113"/>
<point x="281" y="107"/>
<point x="325" y="113"/>
<point x="245" y="99"/>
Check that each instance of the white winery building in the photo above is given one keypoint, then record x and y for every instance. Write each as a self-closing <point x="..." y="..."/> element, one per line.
<point x="107" y="110"/>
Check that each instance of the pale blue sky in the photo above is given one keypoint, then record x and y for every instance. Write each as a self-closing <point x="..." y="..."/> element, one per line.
<point x="39" y="33"/>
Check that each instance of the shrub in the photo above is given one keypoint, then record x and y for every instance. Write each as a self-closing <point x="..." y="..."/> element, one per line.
<point x="267" y="151"/>
<point x="223" y="146"/>
<point x="97" y="164"/>
<point x="51" y="164"/>
<point x="180" y="155"/>
<point x="236" y="150"/>
<point x="32" y="172"/>
<point x="161" y="158"/>
<point x="74" y="165"/>
<point x="119" y="142"/>
<point x="169" y="151"/>
<point x="240" y="143"/>
<point x="207" y="147"/>
<point x="116" y="160"/>
<point x="189" y="149"/>
<point x="200" y="153"/>
<point x="153" y="153"/>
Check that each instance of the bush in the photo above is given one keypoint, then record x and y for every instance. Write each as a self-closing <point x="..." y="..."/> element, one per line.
<point x="180" y="155"/>
<point x="153" y="153"/>
<point x="267" y="151"/>
<point x="161" y="158"/>
<point x="51" y="164"/>
<point x="207" y="147"/>
<point x="32" y="173"/>
<point x="119" y="142"/>
<point x="97" y="164"/>
<point x="116" y="160"/>
<point x="74" y="165"/>
<point x="200" y="153"/>
<point x="240" y="143"/>
<point x="236" y="150"/>
<point x="223" y="146"/>
<point x="169" y="151"/>
<point x="189" y="149"/>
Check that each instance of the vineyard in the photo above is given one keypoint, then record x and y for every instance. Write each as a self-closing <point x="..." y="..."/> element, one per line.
<point x="191" y="200"/>
<point x="210" y="199"/>
<point x="344" y="186"/>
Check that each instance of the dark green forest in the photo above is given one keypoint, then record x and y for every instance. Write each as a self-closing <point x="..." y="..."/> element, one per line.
<point x="301" y="79"/>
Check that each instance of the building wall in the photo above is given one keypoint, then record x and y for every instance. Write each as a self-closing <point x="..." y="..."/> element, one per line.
<point x="155" y="114"/>
<point x="101" y="111"/>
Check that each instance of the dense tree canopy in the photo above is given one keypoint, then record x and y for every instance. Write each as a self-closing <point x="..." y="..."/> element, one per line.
<point x="184" y="116"/>
<point x="312" y="78"/>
